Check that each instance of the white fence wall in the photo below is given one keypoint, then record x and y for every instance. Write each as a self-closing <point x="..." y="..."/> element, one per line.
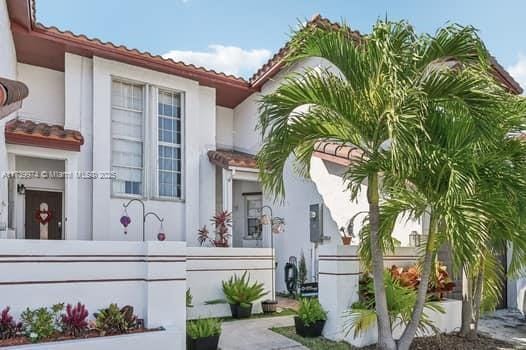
<point x="150" y="276"/>
<point x="207" y="267"/>
<point x="339" y="273"/>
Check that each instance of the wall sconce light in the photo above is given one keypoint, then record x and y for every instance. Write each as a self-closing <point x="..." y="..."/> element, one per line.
<point x="21" y="189"/>
<point x="414" y="239"/>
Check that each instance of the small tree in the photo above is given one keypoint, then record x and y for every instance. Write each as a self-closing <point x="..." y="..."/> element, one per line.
<point x="302" y="270"/>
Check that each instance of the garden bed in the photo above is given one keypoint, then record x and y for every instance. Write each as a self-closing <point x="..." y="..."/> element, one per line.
<point x="23" y="340"/>
<point x="438" y="342"/>
<point x="140" y="340"/>
<point x="455" y="342"/>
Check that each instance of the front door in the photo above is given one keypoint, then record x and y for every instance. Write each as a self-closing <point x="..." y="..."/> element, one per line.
<point x="43" y="215"/>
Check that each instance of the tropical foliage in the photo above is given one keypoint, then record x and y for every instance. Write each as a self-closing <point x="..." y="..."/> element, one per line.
<point x="203" y="328"/>
<point x="310" y="311"/>
<point x="400" y="300"/>
<point x="239" y="290"/>
<point x="428" y="116"/>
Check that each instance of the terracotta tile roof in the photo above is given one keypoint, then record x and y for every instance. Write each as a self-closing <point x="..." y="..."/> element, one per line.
<point x="226" y="159"/>
<point x="12" y="93"/>
<point x="29" y="133"/>
<point x="275" y="63"/>
<point x="336" y="152"/>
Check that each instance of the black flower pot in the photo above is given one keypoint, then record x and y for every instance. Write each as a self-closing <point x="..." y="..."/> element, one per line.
<point x="269" y="306"/>
<point x="312" y="331"/>
<point x="239" y="311"/>
<point x="208" y="343"/>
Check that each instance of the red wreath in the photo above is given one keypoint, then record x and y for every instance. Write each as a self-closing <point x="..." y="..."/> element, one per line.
<point x="38" y="217"/>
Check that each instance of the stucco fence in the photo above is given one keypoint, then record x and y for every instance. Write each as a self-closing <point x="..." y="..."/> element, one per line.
<point x="339" y="275"/>
<point x="151" y="276"/>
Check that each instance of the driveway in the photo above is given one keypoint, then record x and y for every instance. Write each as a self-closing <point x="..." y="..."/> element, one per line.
<point x="507" y="325"/>
<point x="254" y="334"/>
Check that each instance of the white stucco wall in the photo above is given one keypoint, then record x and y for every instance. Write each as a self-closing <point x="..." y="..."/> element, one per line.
<point x="46" y="94"/>
<point x="7" y="46"/>
<point x="7" y="70"/>
<point x="181" y="217"/>
<point x="224" y="127"/>
<point x="79" y="116"/>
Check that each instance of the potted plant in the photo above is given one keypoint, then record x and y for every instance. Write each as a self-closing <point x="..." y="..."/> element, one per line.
<point x="240" y="294"/>
<point x="203" y="334"/>
<point x="222" y="221"/>
<point x="311" y="318"/>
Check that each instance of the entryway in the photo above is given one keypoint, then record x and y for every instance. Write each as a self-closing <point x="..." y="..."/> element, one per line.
<point x="43" y="215"/>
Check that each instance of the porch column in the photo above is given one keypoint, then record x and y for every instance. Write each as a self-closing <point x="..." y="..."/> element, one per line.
<point x="72" y="199"/>
<point x="339" y="274"/>
<point x="227" y="197"/>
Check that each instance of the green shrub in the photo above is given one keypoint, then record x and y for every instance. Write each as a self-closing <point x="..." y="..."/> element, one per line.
<point x="400" y="301"/>
<point x="310" y="311"/>
<point x="239" y="291"/>
<point x="203" y="328"/>
<point x="113" y="320"/>
<point x="41" y="323"/>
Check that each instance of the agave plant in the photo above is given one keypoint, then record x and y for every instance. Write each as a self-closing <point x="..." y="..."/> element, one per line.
<point x="239" y="291"/>
<point x="400" y="301"/>
<point x="203" y="328"/>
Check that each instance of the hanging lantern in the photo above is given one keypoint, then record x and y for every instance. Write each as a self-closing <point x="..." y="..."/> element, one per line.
<point x="125" y="221"/>
<point x="161" y="236"/>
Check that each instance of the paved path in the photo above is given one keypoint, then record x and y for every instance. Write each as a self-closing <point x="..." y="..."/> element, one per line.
<point x="507" y="325"/>
<point x="254" y="334"/>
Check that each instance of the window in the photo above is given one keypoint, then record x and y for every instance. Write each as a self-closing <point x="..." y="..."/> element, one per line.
<point x="127" y="137"/>
<point x="253" y="212"/>
<point x="169" y="139"/>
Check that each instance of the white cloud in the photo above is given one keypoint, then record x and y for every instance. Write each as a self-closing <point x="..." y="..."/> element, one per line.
<point x="518" y="70"/>
<point x="228" y="59"/>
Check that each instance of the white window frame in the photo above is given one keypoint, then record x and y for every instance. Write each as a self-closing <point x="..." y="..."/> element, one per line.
<point x="157" y="143"/>
<point x="120" y="137"/>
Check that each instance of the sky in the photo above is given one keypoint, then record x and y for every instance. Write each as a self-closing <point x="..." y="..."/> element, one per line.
<point x="237" y="36"/>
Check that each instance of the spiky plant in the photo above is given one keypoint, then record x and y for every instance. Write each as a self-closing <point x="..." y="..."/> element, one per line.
<point x="239" y="291"/>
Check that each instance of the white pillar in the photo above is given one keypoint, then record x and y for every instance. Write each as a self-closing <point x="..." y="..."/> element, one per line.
<point x="227" y="197"/>
<point x="339" y="274"/>
<point x="71" y="199"/>
<point x="166" y="287"/>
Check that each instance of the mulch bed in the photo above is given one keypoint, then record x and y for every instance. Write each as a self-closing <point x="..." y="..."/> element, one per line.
<point x="60" y="337"/>
<point x="455" y="342"/>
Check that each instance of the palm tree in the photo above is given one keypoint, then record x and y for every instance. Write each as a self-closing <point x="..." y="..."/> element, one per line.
<point x="376" y="93"/>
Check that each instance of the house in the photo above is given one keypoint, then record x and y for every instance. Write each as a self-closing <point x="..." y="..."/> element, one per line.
<point x="104" y="124"/>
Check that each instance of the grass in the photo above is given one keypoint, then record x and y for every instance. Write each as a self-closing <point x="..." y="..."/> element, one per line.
<point x="312" y="343"/>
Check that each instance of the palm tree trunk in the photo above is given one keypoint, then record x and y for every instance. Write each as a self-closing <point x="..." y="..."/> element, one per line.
<point x="477" y="299"/>
<point x="467" y="310"/>
<point x="385" y="336"/>
<point x="410" y="330"/>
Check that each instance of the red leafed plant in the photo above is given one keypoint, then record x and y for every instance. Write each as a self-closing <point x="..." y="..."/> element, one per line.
<point x="202" y="235"/>
<point x="408" y="277"/>
<point x="75" y="320"/>
<point x="222" y="221"/>
<point x="8" y="327"/>
<point x="440" y="283"/>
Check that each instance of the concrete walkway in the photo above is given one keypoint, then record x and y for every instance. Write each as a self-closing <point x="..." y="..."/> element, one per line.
<point x="254" y="334"/>
<point x="506" y="325"/>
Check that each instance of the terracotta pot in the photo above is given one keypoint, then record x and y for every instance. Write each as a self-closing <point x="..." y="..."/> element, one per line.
<point x="346" y="240"/>
<point x="221" y="244"/>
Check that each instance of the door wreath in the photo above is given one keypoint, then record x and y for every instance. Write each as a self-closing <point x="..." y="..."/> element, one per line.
<point x="43" y="216"/>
